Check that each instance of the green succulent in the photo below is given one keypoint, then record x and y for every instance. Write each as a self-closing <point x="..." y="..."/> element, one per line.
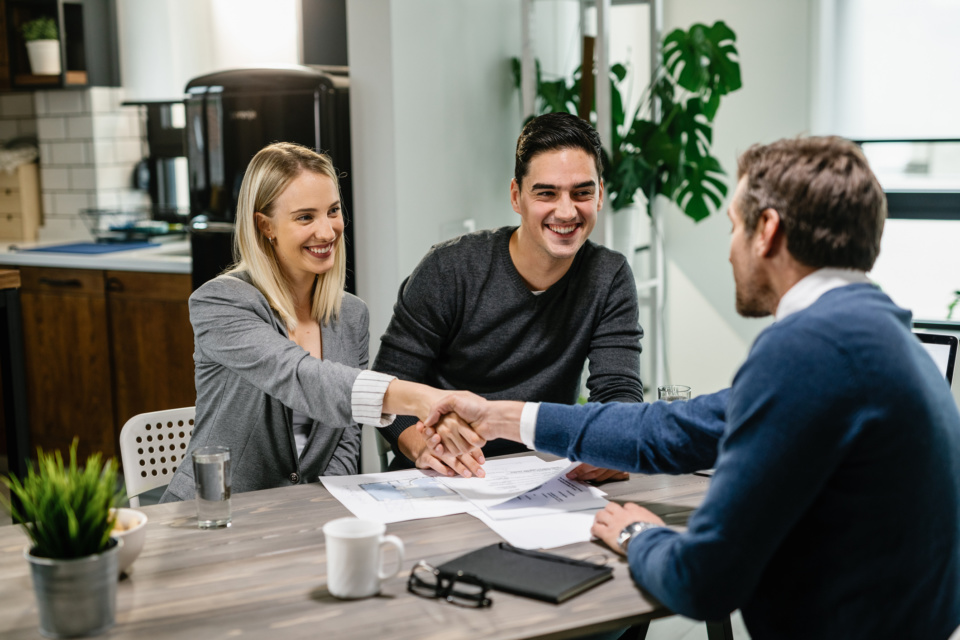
<point x="43" y="28"/>
<point x="65" y="509"/>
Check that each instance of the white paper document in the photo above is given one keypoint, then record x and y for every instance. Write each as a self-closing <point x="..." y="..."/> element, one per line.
<point x="395" y="496"/>
<point x="514" y="477"/>
<point x="542" y="532"/>
<point x="559" y="495"/>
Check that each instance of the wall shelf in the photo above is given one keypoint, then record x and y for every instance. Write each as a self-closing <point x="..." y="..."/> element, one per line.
<point x="88" y="44"/>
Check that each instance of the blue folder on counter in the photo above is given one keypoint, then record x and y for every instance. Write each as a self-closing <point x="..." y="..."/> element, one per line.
<point x="93" y="248"/>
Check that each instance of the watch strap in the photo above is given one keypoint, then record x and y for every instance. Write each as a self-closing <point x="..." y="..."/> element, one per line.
<point x="631" y="531"/>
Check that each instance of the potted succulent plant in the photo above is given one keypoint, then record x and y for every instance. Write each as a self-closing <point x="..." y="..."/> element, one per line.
<point x="65" y="511"/>
<point x="43" y="46"/>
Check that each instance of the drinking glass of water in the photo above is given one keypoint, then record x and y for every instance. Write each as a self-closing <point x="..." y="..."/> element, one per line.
<point x="211" y="474"/>
<point x="673" y="392"/>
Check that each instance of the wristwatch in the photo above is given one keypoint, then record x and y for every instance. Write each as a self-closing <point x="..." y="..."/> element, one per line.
<point x="632" y="529"/>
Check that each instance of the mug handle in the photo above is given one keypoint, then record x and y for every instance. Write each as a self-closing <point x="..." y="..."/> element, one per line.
<point x="395" y="542"/>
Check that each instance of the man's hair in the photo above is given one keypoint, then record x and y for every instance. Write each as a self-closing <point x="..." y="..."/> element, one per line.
<point x="267" y="176"/>
<point x="831" y="206"/>
<point x="553" y="131"/>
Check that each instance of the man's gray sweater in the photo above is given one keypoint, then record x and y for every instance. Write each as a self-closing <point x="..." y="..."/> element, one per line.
<point x="464" y="319"/>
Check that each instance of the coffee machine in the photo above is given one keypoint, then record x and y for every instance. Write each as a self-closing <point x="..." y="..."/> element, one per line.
<point x="230" y="116"/>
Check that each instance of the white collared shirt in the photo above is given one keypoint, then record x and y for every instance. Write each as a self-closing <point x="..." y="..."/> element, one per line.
<point x="809" y="289"/>
<point x="800" y="296"/>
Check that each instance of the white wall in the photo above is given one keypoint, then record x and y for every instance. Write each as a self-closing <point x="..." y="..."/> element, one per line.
<point x="706" y="339"/>
<point x="434" y="123"/>
<point x="165" y="43"/>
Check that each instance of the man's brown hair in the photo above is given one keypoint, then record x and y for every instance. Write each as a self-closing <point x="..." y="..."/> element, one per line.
<point x="831" y="206"/>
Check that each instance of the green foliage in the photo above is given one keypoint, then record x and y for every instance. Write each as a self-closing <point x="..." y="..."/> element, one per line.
<point x="667" y="155"/>
<point x="65" y="509"/>
<point x="39" y="29"/>
<point x="953" y="305"/>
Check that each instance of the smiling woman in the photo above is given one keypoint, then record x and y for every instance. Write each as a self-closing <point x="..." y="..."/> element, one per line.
<point x="280" y="348"/>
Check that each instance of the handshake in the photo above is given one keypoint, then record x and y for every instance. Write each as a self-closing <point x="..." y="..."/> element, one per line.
<point x="453" y="428"/>
<point x="456" y="424"/>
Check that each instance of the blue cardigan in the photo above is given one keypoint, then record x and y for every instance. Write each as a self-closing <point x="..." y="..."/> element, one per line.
<point x="834" y="511"/>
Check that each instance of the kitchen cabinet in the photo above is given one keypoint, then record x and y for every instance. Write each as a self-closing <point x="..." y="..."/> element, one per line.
<point x="20" y="203"/>
<point x="89" y="51"/>
<point x="100" y="347"/>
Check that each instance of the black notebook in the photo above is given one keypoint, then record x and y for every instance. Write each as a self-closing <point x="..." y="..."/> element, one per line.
<point x="533" y="574"/>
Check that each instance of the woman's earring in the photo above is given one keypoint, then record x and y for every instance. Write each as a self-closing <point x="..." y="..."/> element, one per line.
<point x="272" y="240"/>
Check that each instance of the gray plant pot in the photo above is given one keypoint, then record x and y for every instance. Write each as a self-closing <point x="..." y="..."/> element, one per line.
<point x="76" y="597"/>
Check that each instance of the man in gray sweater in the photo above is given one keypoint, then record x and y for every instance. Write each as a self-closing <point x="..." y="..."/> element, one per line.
<point x="513" y="313"/>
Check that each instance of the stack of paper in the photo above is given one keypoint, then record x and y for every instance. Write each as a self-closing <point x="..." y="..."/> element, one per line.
<point x="528" y="502"/>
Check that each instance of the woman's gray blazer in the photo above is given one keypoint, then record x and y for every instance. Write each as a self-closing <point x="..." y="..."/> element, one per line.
<point x="250" y="376"/>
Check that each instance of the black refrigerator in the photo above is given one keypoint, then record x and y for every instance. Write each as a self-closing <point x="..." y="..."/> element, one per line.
<point x="233" y="114"/>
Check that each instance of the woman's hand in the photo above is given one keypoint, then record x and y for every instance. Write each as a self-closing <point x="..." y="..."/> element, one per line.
<point x="414" y="445"/>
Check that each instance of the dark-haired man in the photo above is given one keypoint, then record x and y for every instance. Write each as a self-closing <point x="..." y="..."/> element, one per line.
<point x="834" y="511"/>
<point x="514" y="312"/>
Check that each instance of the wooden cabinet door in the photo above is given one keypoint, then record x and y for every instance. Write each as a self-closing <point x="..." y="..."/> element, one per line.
<point x="66" y="344"/>
<point x="151" y="342"/>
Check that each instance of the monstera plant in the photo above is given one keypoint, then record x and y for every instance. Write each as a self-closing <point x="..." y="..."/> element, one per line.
<point x="663" y="150"/>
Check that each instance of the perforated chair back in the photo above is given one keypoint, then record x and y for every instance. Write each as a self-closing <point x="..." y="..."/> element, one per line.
<point x="152" y="446"/>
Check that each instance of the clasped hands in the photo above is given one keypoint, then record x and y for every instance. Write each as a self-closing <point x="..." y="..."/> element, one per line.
<point x="460" y="423"/>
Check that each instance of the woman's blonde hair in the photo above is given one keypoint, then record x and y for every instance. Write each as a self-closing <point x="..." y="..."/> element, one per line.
<point x="268" y="175"/>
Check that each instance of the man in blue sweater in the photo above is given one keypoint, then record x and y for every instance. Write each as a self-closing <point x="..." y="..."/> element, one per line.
<point x="834" y="511"/>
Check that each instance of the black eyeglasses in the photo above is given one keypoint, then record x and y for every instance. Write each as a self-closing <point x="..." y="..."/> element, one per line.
<point x="461" y="589"/>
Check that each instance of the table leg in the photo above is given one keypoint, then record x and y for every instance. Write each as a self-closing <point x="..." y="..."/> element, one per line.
<point x="720" y="629"/>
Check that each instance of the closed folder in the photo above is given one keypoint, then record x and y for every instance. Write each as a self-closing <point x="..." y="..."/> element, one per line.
<point x="534" y="574"/>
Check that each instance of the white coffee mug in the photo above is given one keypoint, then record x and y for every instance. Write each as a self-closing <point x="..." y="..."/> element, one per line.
<point x="355" y="557"/>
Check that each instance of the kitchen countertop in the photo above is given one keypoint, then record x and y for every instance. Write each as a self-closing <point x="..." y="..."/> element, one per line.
<point x="168" y="257"/>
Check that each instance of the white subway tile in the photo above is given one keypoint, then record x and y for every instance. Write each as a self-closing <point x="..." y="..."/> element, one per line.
<point x="46" y="154"/>
<point x="80" y="127"/>
<point x="40" y="103"/>
<point x="108" y="199"/>
<point x="104" y="99"/>
<point x="66" y="102"/>
<point x="83" y="178"/>
<point x="63" y="228"/>
<point x="51" y="129"/>
<point x="104" y="152"/>
<point x="68" y="152"/>
<point x="9" y="129"/>
<point x="113" y="176"/>
<point x="27" y="126"/>
<point x="16" y="104"/>
<point x="129" y="150"/>
<point x="106" y="126"/>
<point x="71" y="203"/>
<point x="134" y="199"/>
<point x="53" y="178"/>
<point x="47" y="203"/>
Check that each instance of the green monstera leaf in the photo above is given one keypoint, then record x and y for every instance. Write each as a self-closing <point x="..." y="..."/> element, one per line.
<point x="704" y="61"/>
<point x="702" y="182"/>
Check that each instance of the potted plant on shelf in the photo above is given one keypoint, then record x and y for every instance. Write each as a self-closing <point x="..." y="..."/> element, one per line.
<point x="65" y="511"/>
<point x="43" y="46"/>
<point x="664" y="149"/>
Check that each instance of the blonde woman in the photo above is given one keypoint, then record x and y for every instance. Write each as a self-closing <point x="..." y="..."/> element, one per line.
<point x="280" y="349"/>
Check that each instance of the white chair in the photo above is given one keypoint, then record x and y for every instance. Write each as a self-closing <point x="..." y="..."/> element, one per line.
<point x="152" y="446"/>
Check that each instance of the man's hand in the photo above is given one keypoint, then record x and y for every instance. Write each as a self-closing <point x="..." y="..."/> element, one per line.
<point x="611" y="520"/>
<point x="490" y="420"/>
<point x="413" y="444"/>
<point x="589" y="473"/>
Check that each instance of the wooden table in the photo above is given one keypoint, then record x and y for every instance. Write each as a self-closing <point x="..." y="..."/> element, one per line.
<point x="263" y="577"/>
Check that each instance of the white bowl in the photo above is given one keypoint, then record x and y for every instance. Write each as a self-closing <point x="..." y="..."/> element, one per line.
<point x="135" y="530"/>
